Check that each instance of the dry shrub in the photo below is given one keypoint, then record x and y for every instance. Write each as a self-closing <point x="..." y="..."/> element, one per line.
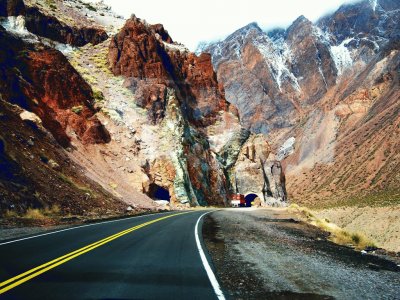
<point x="337" y="235"/>
<point x="34" y="213"/>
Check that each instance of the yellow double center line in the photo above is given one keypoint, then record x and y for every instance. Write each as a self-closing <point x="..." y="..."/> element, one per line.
<point x="28" y="275"/>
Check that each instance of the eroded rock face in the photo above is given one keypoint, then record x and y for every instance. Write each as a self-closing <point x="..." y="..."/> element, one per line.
<point x="40" y="79"/>
<point x="255" y="173"/>
<point x="271" y="79"/>
<point x="50" y="27"/>
<point x="144" y="54"/>
<point x="276" y="77"/>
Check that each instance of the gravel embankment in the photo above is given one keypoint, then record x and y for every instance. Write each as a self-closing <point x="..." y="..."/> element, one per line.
<point x="266" y="254"/>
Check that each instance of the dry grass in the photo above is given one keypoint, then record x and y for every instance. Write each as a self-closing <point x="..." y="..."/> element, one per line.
<point x="10" y="214"/>
<point x="35" y="213"/>
<point x="337" y="235"/>
<point x="84" y="189"/>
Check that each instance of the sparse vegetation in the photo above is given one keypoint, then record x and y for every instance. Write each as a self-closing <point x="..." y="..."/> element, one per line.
<point x="337" y="235"/>
<point x="84" y="189"/>
<point x="10" y="214"/>
<point x="34" y="213"/>
<point x="89" y="7"/>
<point x="98" y="95"/>
<point x="77" y="109"/>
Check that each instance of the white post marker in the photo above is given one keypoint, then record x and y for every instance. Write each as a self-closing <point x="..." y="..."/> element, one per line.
<point x="210" y="273"/>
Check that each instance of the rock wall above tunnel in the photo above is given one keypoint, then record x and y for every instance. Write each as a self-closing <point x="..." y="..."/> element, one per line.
<point x="255" y="172"/>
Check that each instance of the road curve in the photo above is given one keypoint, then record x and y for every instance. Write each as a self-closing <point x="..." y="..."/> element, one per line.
<point x="148" y="257"/>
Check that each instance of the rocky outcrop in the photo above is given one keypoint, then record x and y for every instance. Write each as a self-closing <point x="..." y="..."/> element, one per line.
<point x="255" y="173"/>
<point x="50" y="27"/>
<point x="40" y="79"/>
<point x="190" y="171"/>
<point x="142" y="54"/>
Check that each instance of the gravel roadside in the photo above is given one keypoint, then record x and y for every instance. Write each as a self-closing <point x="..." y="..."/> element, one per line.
<point x="267" y="254"/>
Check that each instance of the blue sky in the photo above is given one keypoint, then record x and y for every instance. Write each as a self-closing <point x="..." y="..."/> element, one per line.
<point x="190" y="22"/>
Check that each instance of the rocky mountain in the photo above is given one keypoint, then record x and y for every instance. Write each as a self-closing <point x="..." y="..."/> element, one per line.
<point x="326" y="95"/>
<point x="99" y="114"/>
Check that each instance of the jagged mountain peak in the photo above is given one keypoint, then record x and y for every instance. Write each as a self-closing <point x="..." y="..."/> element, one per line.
<point x="248" y="27"/>
<point x="301" y="19"/>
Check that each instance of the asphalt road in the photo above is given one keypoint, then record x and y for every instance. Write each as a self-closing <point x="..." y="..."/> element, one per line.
<point x="158" y="260"/>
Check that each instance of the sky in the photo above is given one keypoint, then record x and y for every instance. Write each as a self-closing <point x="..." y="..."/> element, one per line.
<point x="190" y="22"/>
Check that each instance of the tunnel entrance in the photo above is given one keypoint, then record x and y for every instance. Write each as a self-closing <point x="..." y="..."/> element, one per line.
<point x="157" y="192"/>
<point x="250" y="198"/>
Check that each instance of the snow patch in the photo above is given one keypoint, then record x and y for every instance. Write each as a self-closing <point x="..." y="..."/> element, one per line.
<point x="277" y="54"/>
<point x="175" y="47"/>
<point x="374" y="3"/>
<point x="286" y="149"/>
<point x="64" y="48"/>
<point x="15" y="25"/>
<point x="341" y="56"/>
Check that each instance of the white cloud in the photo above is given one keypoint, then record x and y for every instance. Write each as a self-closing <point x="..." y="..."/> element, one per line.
<point x="190" y="22"/>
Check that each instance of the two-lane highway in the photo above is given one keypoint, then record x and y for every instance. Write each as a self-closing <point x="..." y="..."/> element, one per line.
<point x="157" y="256"/>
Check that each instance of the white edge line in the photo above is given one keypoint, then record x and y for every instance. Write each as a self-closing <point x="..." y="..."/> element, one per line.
<point x="76" y="227"/>
<point x="210" y="273"/>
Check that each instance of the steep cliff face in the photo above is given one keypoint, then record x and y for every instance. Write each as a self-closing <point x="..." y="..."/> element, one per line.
<point x="254" y="173"/>
<point x="142" y="54"/>
<point x="314" y="89"/>
<point x="349" y="153"/>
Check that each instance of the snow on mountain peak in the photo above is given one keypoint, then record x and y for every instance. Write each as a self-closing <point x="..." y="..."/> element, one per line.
<point x="374" y="3"/>
<point x="277" y="53"/>
<point x="341" y="56"/>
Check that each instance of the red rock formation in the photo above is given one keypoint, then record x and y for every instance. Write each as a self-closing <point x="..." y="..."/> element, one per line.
<point x="41" y="80"/>
<point x="159" y="28"/>
<point x="143" y="52"/>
